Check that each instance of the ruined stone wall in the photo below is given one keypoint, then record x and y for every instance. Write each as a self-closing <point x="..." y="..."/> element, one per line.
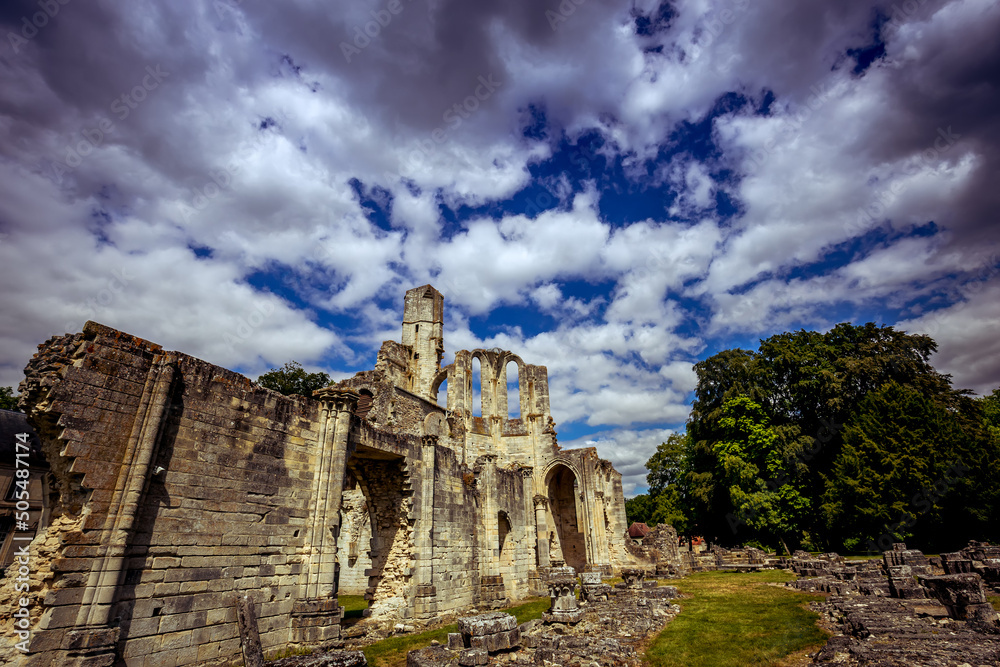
<point x="516" y="558"/>
<point x="354" y="542"/>
<point x="223" y="496"/>
<point x="179" y="485"/>
<point x="386" y="487"/>
<point x="393" y="408"/>
<point x="455" y="566"/>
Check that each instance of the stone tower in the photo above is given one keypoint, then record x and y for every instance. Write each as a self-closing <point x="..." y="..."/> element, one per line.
<point x="423" y="320"/>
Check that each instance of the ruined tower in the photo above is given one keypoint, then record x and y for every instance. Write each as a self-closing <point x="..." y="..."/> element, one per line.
<point x="423" y="320"/>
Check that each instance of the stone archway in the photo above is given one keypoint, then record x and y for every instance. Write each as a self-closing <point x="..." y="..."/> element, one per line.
<point x="387" y="494"/>
<point x="567" y="544"/>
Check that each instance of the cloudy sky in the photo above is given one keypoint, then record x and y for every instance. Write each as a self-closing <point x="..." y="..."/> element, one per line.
<point x="613" y="189"/>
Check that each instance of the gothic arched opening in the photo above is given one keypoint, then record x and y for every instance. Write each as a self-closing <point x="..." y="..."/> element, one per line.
<point x="389" y="549"/>
<point x="513" y="390"/>
<point x="566" y="540"/>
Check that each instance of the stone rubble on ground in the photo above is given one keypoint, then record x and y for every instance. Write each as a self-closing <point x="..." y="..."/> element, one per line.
<point x="607" y="633"/>
<point x="907" y="610"/>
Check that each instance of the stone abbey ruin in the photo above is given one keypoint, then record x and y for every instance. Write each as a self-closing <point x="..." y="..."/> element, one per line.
<point x="194" y="517"/>
<point x="176" y="485"/>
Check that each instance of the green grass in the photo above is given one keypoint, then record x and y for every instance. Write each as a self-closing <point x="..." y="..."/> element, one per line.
<point x="392" y="652"/>
<point x="994" y="600"/>
<point x="734" y="620"/>
<point x="354" y="605"/>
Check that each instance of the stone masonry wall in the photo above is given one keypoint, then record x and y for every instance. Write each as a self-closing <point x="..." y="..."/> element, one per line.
<point x="391" y="548"/>
<point x="455" y="565"/>
<point x="226" y="513"/>
<point x="354" y="542"/>
<point x="517" y="558"/>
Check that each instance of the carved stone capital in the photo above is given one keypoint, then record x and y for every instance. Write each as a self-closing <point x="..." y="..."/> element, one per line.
<point x="527" y="471"/>
<point x="428" y="440"/>
<point x="335" y="398"/>
<point x="541" y="501"/>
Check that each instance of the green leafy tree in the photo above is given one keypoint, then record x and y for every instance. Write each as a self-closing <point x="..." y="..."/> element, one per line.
<point x="809" y="385"/>
<point x="666" y="465"/>
<point x="8" y="401"/>
<point x="906" y="465"/>
<point x="764" y="488"/>
<point x="639" y="508"/>
<point x="651" y="510"/>
<point x="666" y="478"/>
<point x="991" y="414"/>
<point x="293" y="379"/>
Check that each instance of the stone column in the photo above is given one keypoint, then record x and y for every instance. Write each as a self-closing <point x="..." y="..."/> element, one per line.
<point x="491" y="582"/>
<point x="541" y="530"/>
<point x="328" y="487"/>
<point x="92" y="642"/>
<point x="425" y="600"/>
<point x="316" y="617"/>
<point x="603" y="555"/>
<point x="142" y="444"/>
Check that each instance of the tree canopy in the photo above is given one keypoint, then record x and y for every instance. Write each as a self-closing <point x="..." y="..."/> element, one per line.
<point x="8" y="401"/>
<point x="848" y="439"/>
<point x="293" y="379"/>
<point x="664" y="502"/>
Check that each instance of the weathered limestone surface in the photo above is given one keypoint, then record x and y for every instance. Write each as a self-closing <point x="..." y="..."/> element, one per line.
<point x="177" y="485"/>
<point x="608" y="633"/>
<point x="660" y="549"/>
<point x="330" y="659"/>
<point x="889" y="615"/>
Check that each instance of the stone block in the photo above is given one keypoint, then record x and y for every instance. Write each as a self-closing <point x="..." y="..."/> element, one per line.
<point x="327" y="659"/>
<point x="473" y="656"/>
<point x="486" y="624"/>
<point x="435" y="656"/>
<point x="455" y="641"/>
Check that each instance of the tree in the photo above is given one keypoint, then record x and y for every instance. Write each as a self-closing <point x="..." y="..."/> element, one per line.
<point x="665" y="466"/>
<point x="639" y="508"/>
<point x="293" y="379"/>
<point x="907" y="469"/>
<point x="991" y="414"/>
<point x="808" y="386"/>
<point x="651" y="510"/>
<point x="763" y="483"/>
<point x="8" y="401"/>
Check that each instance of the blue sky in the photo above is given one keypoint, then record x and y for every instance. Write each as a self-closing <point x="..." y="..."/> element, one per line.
<point x="615" y="190"/>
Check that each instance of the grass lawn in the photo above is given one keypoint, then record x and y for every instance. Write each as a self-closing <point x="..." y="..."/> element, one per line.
<point x="994" y="600"/>
<point x="392" y="652"/>
<point x="735" y="620"/>
<point x="354" y="605"/>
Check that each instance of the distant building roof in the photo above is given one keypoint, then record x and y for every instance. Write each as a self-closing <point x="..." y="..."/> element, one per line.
<point x="12" y="423"/>
<point x="638" y="529"/>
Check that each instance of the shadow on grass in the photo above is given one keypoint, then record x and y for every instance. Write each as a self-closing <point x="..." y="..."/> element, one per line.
<point x="736" y="619"/>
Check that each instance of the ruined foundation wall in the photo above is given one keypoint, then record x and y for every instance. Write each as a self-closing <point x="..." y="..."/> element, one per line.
<point x="455" y="568"/>
<point x="226" y="513"/>
<point x="516" y="559"/>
